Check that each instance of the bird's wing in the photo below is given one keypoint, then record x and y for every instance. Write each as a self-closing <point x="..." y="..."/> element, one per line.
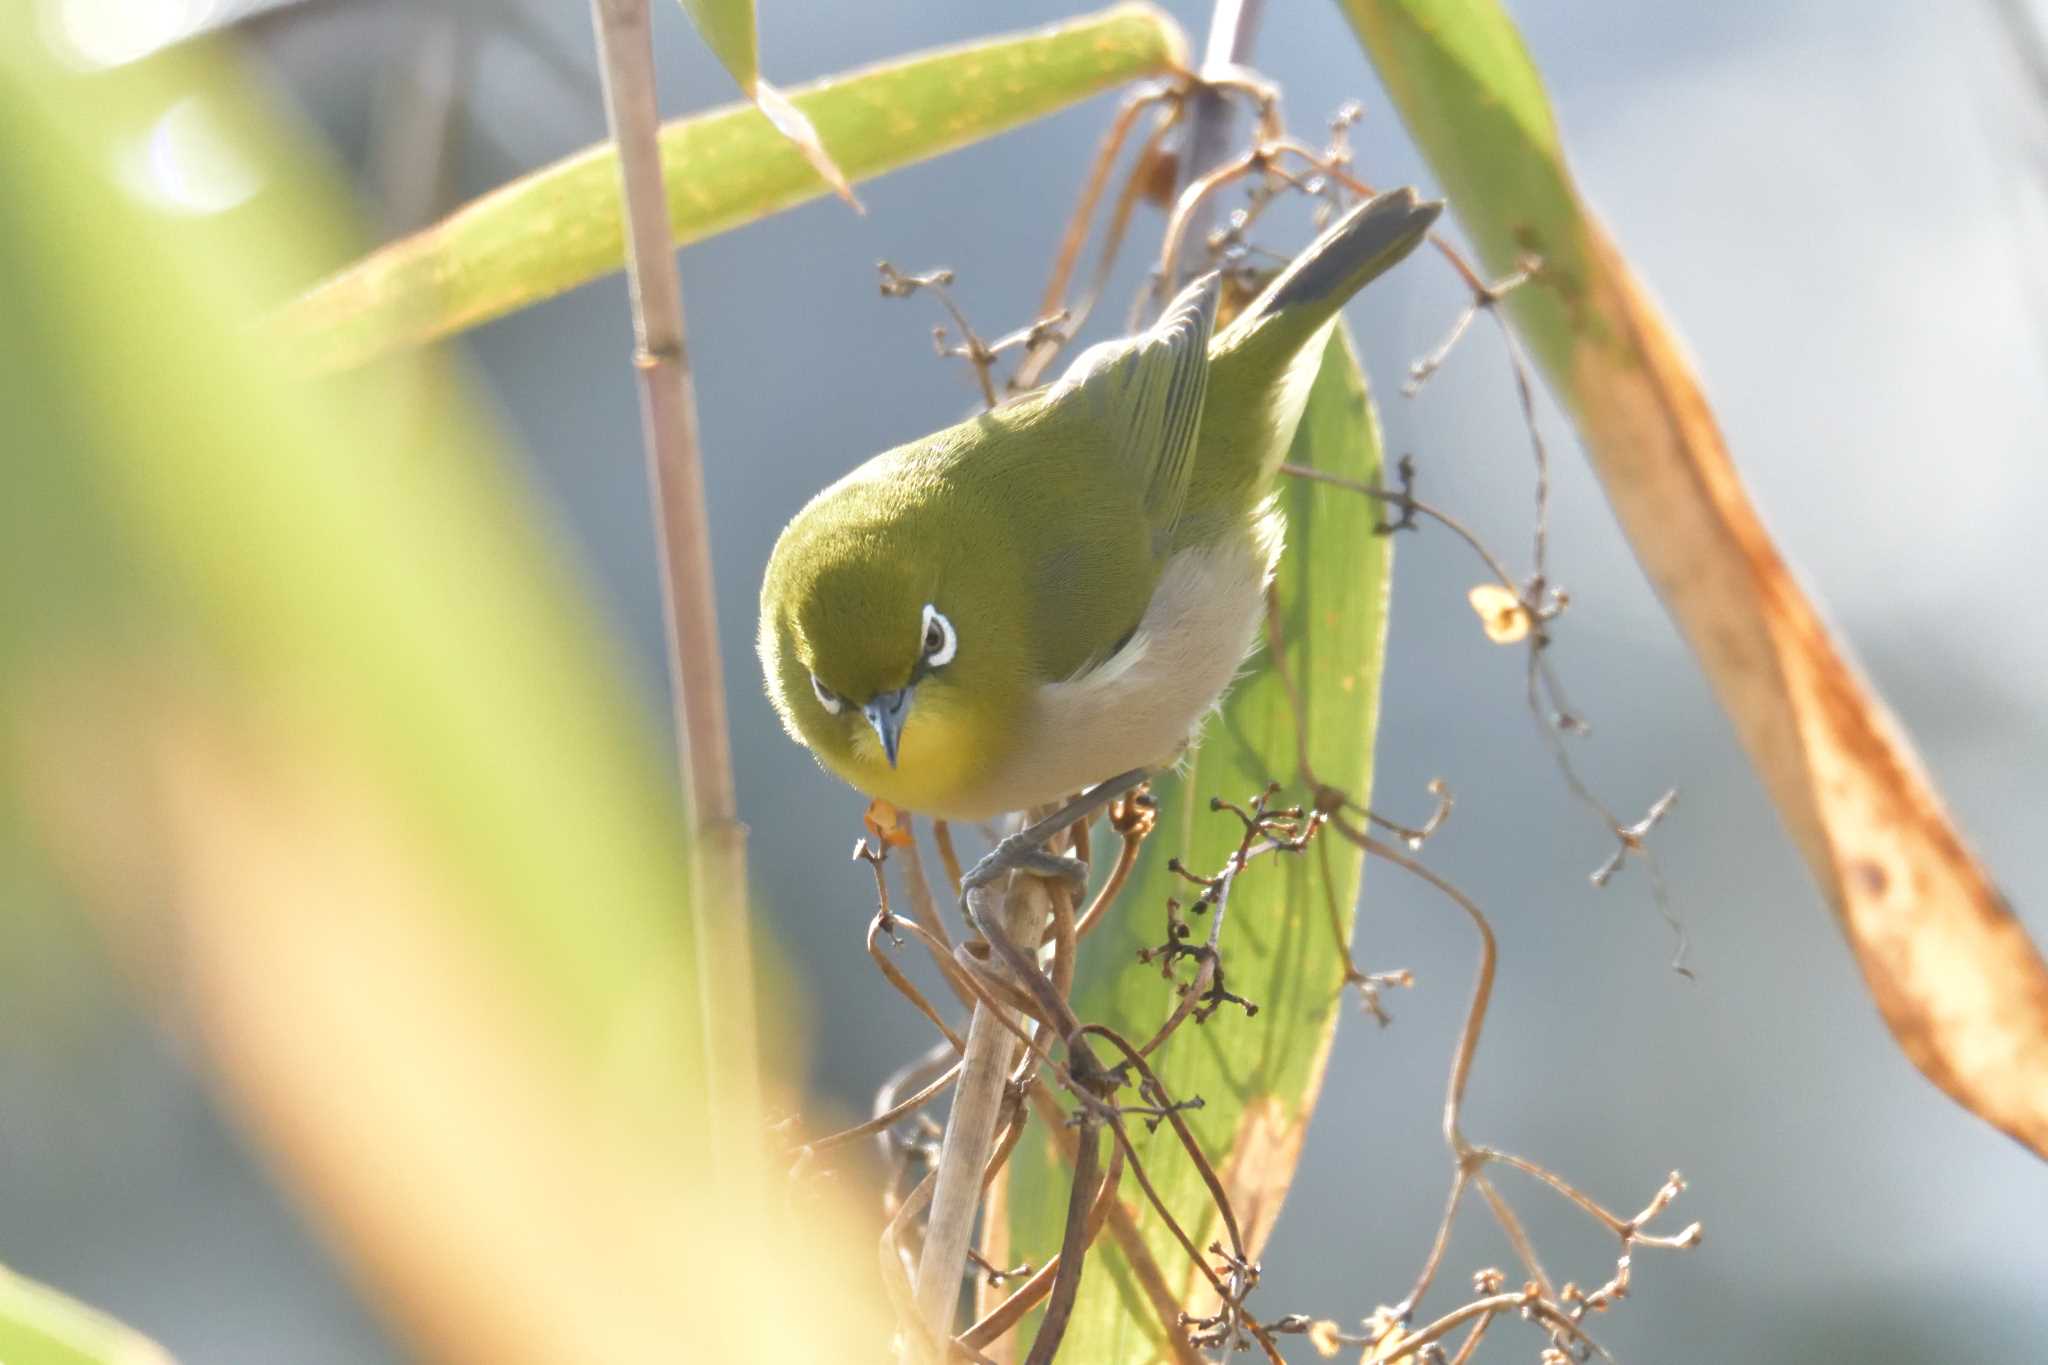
<point x="1149" y="389"/>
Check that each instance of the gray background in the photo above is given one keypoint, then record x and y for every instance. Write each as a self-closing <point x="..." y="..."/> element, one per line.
<point x="1841" y="206"/>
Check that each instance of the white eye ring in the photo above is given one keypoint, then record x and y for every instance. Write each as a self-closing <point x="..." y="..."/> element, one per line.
<point x="941" y="642"/>
<point x="827" y="698"/>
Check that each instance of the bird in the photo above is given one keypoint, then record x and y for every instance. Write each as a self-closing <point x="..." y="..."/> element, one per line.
<point x="1062" y="588"/>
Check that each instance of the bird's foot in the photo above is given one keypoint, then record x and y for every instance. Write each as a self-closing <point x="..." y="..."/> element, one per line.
<point x="1025" y="850"/>
<point x="1017" y="854"/>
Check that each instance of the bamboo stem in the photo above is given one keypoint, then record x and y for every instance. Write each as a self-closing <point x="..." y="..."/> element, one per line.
<point x="668" y="412"/>
<point x="971" y="1126"/>
<point x="985" y="1070"/>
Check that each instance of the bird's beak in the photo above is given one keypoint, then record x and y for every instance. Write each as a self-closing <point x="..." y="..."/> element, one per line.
<point x="886" y="713"/>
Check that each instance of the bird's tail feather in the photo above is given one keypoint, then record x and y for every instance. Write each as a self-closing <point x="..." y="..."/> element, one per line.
<point x="1274" y="348"/>
<point x="1366" y="242"/>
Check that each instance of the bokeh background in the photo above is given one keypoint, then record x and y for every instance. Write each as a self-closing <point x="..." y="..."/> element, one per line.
<point x="1844" y="207"/>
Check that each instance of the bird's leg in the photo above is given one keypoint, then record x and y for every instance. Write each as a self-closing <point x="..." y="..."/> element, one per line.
<point x="1025" y="850"/>
<point x="1035" y="861"/>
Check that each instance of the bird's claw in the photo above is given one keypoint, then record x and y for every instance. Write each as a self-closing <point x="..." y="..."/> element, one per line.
<point x="1025" y="850"/>
<point x="1019" y="854"/>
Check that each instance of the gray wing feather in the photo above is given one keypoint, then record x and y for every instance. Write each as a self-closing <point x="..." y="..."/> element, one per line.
<point x="1151" y="387"/>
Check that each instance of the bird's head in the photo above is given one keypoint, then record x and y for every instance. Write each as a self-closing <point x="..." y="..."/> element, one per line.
<point x="889" y="641"/>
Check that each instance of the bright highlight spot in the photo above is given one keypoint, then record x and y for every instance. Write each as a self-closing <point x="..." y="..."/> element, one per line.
<point x="188" y="162"/>
<point x="102" y="33"/>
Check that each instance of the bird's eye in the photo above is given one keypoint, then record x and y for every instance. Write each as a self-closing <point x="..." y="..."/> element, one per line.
<point x="940" y="643"/>
<point x="827" y="698"/>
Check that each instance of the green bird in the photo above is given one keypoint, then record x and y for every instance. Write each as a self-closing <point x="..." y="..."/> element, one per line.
<point x="1061" y="589"/>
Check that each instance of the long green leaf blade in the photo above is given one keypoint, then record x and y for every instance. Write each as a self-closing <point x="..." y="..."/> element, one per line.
<point x="559" y="227"/>
<point x="39" y="1326"/>
<point x="1475" y="103"/>
<point x="1965" y="993"/>
<point x="1258" y="1075"/>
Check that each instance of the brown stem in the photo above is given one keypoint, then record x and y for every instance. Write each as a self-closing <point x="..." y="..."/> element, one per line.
<point x="1067" y="1281"/>
<point x="1181" y="1130"/>
<point x="1482" y="986"/>
<point x="902" y="983"/>
<point x="942" y="836"/>
<point x="1006" y="1142"/>
<point x="888" y="1117"/>
<point x="1123" y="1230"/>
<point x="1066" y="940"/>
<point x="1449" y="1322"/>
<point x="1210" y="955"/>
<point x="1126" y="860"/>
<point x="1032" y="1292"/>
<point x="896" y="1258"/>
<point x="1191" y="210"/>
<point x="1091" y="194"/>
<point x="1517" y="1235"/>
<point x="1194" y="1255"/>
<point x="1409" y="502"/>
<point x="1038" y="357"/>
<point x="1473" y="1338"/>
<point x="1468" y="1038"/>
<point x="925" y="911"/>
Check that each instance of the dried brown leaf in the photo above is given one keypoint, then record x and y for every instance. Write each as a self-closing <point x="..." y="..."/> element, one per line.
<point x="1962" y="988"/>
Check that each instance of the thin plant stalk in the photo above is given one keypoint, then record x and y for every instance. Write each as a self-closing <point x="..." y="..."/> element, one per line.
<point x="675" y="472"/>
<point x="964" y="1152"/>
<point x="1233" y="24"/>
<point x="971" y="1126"/>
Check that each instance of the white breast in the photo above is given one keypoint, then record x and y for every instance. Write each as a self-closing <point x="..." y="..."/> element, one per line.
<point x="1144" y="704"/>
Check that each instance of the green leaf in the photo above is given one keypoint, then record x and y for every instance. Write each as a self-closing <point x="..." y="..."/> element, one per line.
<point x="1966" y="994"/>
<point x="728" y="29"/>
<point x="559" y="227"/>
<point x="1258" y="1075"/>
<point x="39" y="1326"/>
<point x="1473" y="100"/>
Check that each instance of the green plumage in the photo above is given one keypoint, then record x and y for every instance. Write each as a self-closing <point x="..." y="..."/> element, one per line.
<point x="1041" y="530"/>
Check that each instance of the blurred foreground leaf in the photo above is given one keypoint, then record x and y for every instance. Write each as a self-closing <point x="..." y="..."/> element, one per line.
<point x="319" y="725"/>
<point x="1259" y="1075"/>
<point x="1963" y="990"/>
<point x="559" y="227"/>
<point x="39" y="1326"/>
